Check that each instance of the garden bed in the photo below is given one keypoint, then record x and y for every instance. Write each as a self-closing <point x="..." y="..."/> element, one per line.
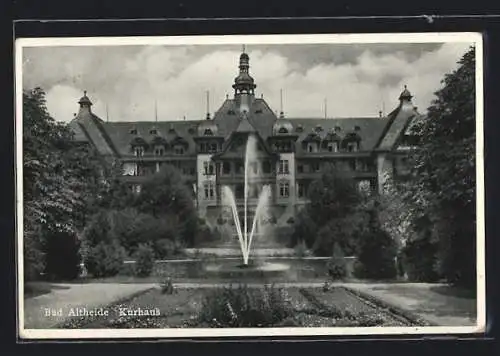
<point x="300" y="307"/>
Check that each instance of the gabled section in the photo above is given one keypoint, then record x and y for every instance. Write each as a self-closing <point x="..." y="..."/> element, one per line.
<point x="245" y="126"/>
<point x="89" y="125"/>
<point x="398" y="122"/>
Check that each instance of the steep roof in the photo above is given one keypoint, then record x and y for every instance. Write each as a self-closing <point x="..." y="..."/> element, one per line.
<point x="398" y="122"/>
<point x="120" y="132"/>
<point x="370" y="129"/>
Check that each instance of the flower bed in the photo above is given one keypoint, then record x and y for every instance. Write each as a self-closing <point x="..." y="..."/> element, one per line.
<point x="188" y="308"/>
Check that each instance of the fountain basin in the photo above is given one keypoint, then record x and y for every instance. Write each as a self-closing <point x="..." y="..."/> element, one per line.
<point x="254" y="269"/>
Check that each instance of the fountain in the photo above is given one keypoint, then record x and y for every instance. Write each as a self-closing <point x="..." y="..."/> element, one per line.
<point x="246" y="232"/>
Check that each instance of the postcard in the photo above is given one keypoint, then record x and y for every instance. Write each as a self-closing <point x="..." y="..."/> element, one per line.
<point x="257" y="185"/>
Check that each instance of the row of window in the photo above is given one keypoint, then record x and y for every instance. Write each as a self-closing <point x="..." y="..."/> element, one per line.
<point x="310" y="147"/>
<point x="351" y="164"/>
<point x="158" y="151"/>
<point x="209" y="167"/>
<point x="283" y="167"/>
<point x="209" y="191"/>
<point x="332" y="146"/>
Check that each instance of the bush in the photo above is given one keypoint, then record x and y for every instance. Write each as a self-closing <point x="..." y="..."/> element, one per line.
<point x="376" y="251"/>
<point x="245" y="307"/>
<point x="33" y="257"/>
<point x="419" y="260"/>
<point x="105" y="259"/>
<point x="165" y="248"/>
<point x="301" y="250"/>
<point x="62" y="256"/>
<point x="144" y="260"/>
<point x="377" y="257"/>
<point x="337" y="264"/>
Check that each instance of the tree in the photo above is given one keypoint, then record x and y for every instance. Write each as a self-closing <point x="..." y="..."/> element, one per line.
<point x="60" y="178"/>
<point x="376" y="257"/>
<point x="445" y="178"/>
<point x="332" y="195"/>
<point x="332" y="214"/>
<point x="167" y="194"/>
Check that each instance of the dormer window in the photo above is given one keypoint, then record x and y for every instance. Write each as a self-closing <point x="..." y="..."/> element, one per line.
<point x="312" y="147"/>
<point x="231" y="112"/>
<point x="299" y="128"/>
<point x="171" y="130"/>
<point x="333" y="146"/>
<point x="258" y="111"/>
<point x="357" y="128"/>
<point x="337" y="129"/>
<point x="282" y="130"/>
<point x="153" y="132"/>
<point x="191" y="130"/>
<point x="212" y="147"/>
<point x="133" y="131"/>
<point x="352" y="146"/>
<point x="159" y="151"/>
<point x="318" y="128"/>
<point x="208" y="132"/>
<point x="139" y="151"/>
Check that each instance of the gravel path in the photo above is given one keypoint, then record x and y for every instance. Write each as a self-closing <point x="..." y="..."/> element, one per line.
<point x="62" y="299"/>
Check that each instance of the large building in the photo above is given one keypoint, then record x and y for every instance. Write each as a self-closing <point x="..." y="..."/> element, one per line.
<point x="290" y="151"/>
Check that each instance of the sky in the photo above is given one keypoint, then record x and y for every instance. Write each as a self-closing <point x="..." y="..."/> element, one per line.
<point x="124" y="82"/>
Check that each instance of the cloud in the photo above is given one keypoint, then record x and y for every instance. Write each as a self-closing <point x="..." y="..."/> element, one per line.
<point x="124" y="82"/>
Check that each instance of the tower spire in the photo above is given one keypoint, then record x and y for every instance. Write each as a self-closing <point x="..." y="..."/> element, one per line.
<point x="326" y="108"/>
<point x="208" y="105"/>
<point x="156" y="111"/>
<point x="282" y="114"/>
<point x="244" y="83"/>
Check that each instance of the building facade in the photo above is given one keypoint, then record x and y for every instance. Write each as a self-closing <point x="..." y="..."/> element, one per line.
<point x="290" y="152"/>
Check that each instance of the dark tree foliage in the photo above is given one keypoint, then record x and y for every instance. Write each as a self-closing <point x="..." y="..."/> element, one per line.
<point x="144" y="260"/>
<point x="59" y="179"/>
<point x="376" y="257"/>
<point x="167" y="194"/>
<point x="332" y="214"/>
<point x="445" y="172"/>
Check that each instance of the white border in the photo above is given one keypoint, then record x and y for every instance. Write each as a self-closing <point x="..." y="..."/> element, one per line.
<point x="475" y="38"/>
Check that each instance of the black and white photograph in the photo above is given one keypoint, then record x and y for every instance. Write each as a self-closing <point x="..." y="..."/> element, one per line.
<point x="256" y="185"/>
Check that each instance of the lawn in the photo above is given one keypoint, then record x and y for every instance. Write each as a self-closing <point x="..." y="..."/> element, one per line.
<point x="189" y="308"/>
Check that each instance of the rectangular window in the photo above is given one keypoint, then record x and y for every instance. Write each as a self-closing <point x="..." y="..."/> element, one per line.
<point x="226" y="167"/>
<point x="239" y="167"/>
<point x="301" y="190"/>
<point x="300" y="168"/>
<point x="179" y="150"/>
<point x="209" y="190"/>
<point x="283" y="166"/>
<point x="159" y="151"/>
<point x="284" y="188"/>
<point x="316" y="166"/>
<point x="208" y="168"/>
<point x="266" y="167"/>
<point x="139" y="151"/>
<point x="352" y="164"/>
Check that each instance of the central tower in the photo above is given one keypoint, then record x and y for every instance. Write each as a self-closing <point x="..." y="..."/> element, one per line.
<point x="244" y="86"/>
